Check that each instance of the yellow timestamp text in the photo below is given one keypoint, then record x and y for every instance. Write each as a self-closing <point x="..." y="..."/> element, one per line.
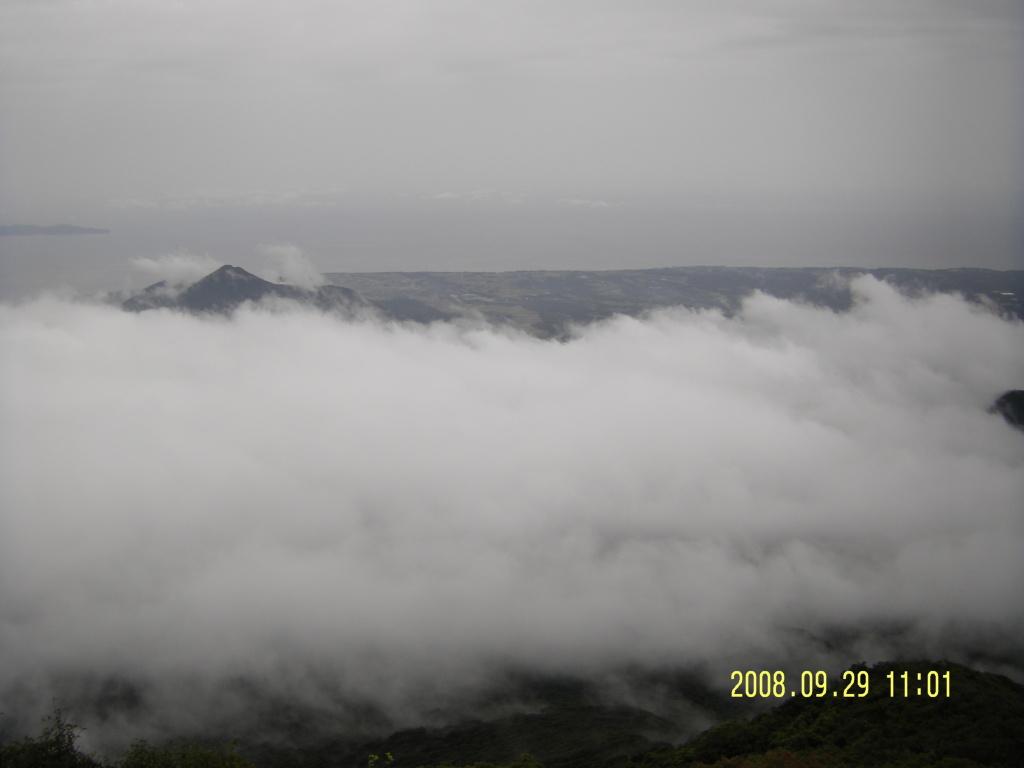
<point x="852" y="684"/>
<point x="767" y="684"/>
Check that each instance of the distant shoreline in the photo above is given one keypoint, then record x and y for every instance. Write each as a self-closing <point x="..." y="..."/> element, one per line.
<point x="22" y="230"/>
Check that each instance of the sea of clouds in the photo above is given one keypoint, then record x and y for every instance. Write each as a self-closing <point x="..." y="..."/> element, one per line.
<point x="397" y="513"/>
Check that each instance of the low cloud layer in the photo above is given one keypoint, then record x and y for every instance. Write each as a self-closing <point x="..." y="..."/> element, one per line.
<point x="287" y="263"/>
<point x="408" y="509"/>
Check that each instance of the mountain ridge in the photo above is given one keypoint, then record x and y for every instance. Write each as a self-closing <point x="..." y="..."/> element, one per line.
<point x="548" y="303"/>
<point x="228" y="287"/>
<point x="24" y="230"/>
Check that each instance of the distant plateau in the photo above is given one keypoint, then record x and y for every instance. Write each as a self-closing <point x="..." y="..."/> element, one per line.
<point x="20" y="230"/>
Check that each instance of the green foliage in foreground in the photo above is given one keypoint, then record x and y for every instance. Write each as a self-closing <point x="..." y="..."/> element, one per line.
<point x="979" y="725"/>
<point x="142" y="755"/>
<point x="524" y="761"/>
<point x="53" y="748"/>
<point x="56" y="747"/>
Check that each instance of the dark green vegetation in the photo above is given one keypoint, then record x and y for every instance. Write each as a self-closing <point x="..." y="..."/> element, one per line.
<point x="545" y="303"/>
<point x="981" y="723"/>
<point x="1010" y="405"/>
<point x="56" y="229"/>
<point x="56" y="747"/>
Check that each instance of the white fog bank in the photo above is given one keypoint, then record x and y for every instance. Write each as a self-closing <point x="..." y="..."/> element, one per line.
<point x="409" y="507"/>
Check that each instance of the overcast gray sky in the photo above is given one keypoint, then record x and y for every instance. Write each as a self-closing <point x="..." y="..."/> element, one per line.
<point x="140" y="99"/>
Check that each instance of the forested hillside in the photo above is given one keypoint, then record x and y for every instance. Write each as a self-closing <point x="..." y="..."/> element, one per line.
<point x="979" y="723"/>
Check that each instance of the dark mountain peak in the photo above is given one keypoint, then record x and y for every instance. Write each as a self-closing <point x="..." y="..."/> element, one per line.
<point x="231" y="272"/>
<point x="228" y="287"/>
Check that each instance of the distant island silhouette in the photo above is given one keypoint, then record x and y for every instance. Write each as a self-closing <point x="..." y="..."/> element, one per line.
<point x="56" y="229"/>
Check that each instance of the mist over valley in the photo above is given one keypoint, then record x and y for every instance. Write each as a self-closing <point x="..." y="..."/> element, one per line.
<point x="218" y="514"/>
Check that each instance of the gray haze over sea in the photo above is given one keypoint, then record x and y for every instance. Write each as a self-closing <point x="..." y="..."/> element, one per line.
<point x="490" y="231"/>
